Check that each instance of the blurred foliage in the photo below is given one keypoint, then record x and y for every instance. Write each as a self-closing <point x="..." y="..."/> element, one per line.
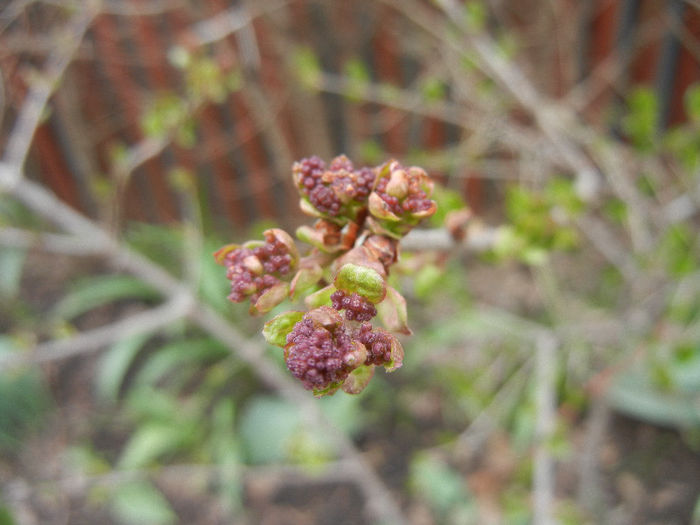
<point x="24" y="402"/>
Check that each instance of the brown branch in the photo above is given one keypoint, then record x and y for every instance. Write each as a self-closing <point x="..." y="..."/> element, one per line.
<point x="545" y="420"/>
<point x="30" y="115"/>
<point x="229" y="21"/>
<point x="142" y="323"/>
<point x="274" y="476"/>
<point x="49" y="242"/>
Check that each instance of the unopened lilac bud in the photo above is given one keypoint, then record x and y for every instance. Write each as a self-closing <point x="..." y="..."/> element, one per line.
<point x="398" y="184"/>
<point x="253" y="264"/>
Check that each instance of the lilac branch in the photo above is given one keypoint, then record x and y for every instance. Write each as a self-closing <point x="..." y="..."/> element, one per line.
<point x="142" y="323"/>
<point x="30" y="115"/>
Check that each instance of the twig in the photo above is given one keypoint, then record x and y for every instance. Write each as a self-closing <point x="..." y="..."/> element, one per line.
<point x="280" y="475"/>
<point x="470" y="119"/>
<point x="607" y="245"/>
<point x="478" y="237"/>
<point x="142" y="323"/>
<point x="545" y="405"/>
<point x="140" y="7"/>
<point x="124" y="7"/>
<point x="589" y="477"/>
<point x="50" y="242"/>
<point x="229" y="21"/>
<point x="483" y="424"/>
<point x="42" y="87"/>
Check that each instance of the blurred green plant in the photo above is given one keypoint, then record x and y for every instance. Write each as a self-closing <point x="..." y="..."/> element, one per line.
<point x="24" y="402"/>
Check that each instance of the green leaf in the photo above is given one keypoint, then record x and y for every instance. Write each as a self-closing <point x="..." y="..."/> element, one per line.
<point x="475" y="15"/>
<point x="362" y="280"/>
<point x="345" y="412"/>
<point x="635" y="394"/>
<point x="328" y="390"/>
<point x="96" y="291"/>
<point x="162" y="244"/>
<point x="641" y="120"/>
<point x="392" y="312"/>
<point x="205" y="80"/>
<point x="427" y="280"/>
<point x="6" y="516"/>
<point x="151" y="441"/>
<point x="24" y="400"/>
<point x="114" y="364"/>
<point x="437" y="483"/>
<point x="140" y="503"/>
<point x="184" y="354"/>
<point x="356" y="71"/>
<point x="304" y="279"/>
<point x="275" y="330"/>
<point x="307" y="67"/>
<point x="213" y="285"/>
<point x="433" y="89"/>
<point x="677" y="249"/>
<point x="358" y="379"/>
<point x="692" y="102"/>
<point x="266" y="428"/>
<point x="163" y="115"/>
<point x="226" y="453"/>
<point x="380" y="209"/>
<point x="11" y="264"/>
<point x="396" y="354"/>
<point x="85" y="460"/>
<point x="320" y="297"/>
<point x="146" y="403"/>
<point x="271" y="298"/>
<point x="696" y="511"/>
<point x="447" y="200"/>
<point x="371" y="151"/>
<point x="358" y="77"/>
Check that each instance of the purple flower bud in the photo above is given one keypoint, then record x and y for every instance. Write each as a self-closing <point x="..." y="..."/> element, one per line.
<point x="320" y="351"/>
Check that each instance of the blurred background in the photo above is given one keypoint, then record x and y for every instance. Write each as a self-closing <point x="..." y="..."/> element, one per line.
<point x="554" y="371"/>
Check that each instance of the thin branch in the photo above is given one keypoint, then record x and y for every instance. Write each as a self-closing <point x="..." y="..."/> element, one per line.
<point x="589" y="492"/>
<point x="49" y="242"/>
<point x="545" y="420"/>
<point x="471" y="119"/>
<point x="11" y="11"/>
<point x="140" y="7"/>
<point x="273" y="475"/>
<point x="145" y="322"/>
<point x="477" y="432"/>
<point x="29" y="117"/>
<point x="230" y="21"/>
<point x="478" y="237"/>
<point x="607" y="245"/>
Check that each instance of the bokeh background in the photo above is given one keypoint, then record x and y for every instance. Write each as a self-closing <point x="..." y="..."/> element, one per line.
<point x="554" y="371"/>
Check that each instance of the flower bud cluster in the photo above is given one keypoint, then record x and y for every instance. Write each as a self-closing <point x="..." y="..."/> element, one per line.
<point x="320" y="350"/>
<point x="400" y="199"/>
<point x="403" y="190"/>
<point x="362" y="213"/>
<point x="377" y="342"/>
<point x="334" y="190"/>
<point x="356" y="307"/>
<point x="257" y="267"/>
